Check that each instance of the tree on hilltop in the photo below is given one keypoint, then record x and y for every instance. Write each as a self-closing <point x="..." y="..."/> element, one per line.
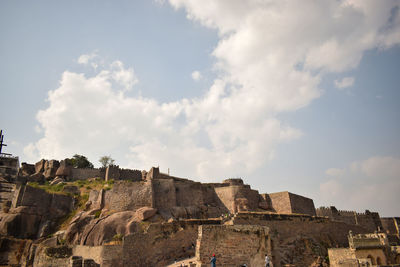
<point x="106" y="161"/>
<point x="80" y="161"/>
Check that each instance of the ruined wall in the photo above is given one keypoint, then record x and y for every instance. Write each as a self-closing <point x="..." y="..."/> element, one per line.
<point x="301" y="205"/>
<point x="160" y="245"/>
<point x="299" y="239"/>
<point x="232" y="245"/>
<point x="338" y="257"/>
<point x="129" y="196"/>
<point x="86" y="173"/>
<point x="89" y="252"/>
<point x="12" y="250"/>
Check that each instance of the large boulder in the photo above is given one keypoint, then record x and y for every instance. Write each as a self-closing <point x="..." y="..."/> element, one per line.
<point x="39" y="166"/>
<point x="63" y="171"/>
<point x="86" y="229"/>
<point x="36" y="177"/>
<point x="145" y="213"/>
<point x="26" y="169"/>
<point x="50" y="169"/>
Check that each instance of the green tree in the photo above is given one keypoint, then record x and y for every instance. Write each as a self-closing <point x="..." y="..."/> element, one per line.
<point x="79" y="161"/>
<point x="106" y="161"/>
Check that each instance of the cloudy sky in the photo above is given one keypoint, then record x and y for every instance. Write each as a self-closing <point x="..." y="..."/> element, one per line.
<point x="289" y="95"/>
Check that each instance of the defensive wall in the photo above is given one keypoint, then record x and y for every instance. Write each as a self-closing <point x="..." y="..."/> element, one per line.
<point x="369" y="220"/>
<point x="233" y="245"/>
<point x="286" y="202"/>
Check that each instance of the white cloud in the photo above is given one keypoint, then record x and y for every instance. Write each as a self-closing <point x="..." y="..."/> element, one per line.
<point x="373" y="183"/>
<point x="87" y="58"/>
<point x="270" y="58"/>
<point x="345" y="82"/>
<point x="196" y="75"/>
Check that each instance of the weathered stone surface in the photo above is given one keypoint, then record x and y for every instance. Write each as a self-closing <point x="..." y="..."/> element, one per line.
<point x="27" y="169"/>
<point x="104" y="229"/>
<point x="64" y="170"/>
<point x="39" y="166"/>
<point x="71" y="189"/>
<point x="145" y="213"/>
<point x="76" y="227"/>
<point x="34" y="213"/>
<point x="36" y="177"/>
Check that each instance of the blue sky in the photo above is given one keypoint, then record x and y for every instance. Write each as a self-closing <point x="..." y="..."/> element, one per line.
<point x="289" y="96"/>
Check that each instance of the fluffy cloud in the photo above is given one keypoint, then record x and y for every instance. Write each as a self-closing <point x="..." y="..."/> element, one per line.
<point x="196" y="75"/>
<point x="270" y="58"/>
<point x="372" y="183"/>
<point x="345" y="82"/>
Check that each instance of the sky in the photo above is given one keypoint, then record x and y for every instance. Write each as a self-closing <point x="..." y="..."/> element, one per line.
<point x="299" y="96"/>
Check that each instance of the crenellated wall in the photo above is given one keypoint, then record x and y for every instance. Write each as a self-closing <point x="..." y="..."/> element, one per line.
<point x="86" y="173"/>
<point x="368" y="220"/>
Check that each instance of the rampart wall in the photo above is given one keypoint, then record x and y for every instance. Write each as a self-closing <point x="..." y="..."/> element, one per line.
<point x="280" y="202"/>
<point x="302" y="205"/>
<point x="369" y="220"/>
<point x="129" y="196"/>
<point x="232" y="245"/>
<point x="86" y="173"/>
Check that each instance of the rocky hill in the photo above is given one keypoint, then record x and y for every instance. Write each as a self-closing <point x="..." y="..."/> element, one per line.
<point x="54" y="214"/>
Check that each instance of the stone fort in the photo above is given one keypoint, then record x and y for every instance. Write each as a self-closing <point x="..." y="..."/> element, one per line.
<point x="56" y="215"/>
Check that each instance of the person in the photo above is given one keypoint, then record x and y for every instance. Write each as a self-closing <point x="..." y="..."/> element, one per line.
<point x="267" y="261"/>
<point x="213" y="261"/>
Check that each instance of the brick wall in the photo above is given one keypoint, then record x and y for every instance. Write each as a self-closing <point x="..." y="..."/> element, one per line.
<point x="232" y="245"/>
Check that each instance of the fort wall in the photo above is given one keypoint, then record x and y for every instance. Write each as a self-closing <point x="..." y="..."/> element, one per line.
<point x="369" y="220"/>
<point x="86" y="173"/>
<point x="302" y="205"/>
<point x="129" y="196"/>
<point x="280" y="202"/>
<point x="232" y="245"/>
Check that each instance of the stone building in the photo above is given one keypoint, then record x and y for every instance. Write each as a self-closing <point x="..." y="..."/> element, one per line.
<point x="365" y="250"/>
<point x="8" y="166"/>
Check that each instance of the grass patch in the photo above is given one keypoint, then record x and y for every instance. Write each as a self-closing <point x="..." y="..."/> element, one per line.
<point x="52" y="189"/>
